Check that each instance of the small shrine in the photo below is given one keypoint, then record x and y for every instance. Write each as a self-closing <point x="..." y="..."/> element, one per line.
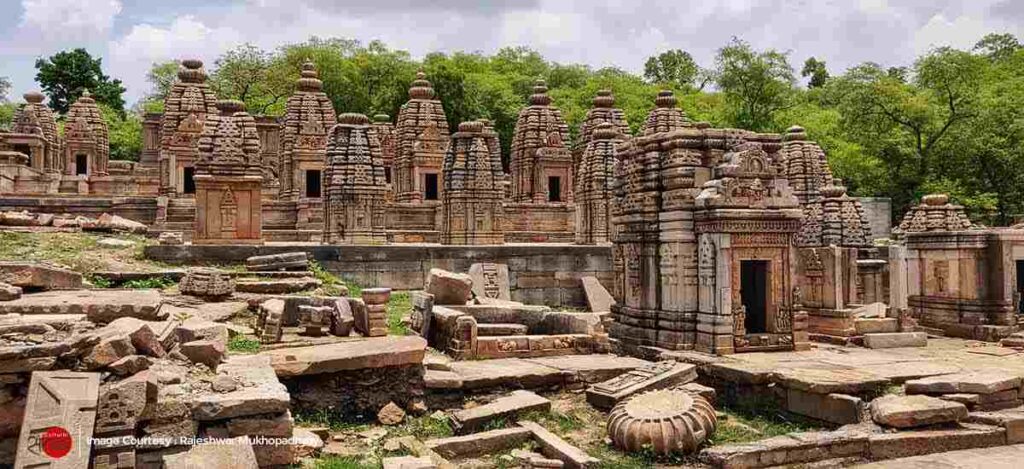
<point x="421" y="137"/>
<point x="86" y="140"/>
<point x="186" y="106"/>
<point x="472" y="198"/>
<point x="356" y="184"/>
<point x="541" y="163"/>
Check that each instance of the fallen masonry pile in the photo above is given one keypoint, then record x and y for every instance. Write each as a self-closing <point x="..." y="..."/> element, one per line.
<point x="105" y="223"/>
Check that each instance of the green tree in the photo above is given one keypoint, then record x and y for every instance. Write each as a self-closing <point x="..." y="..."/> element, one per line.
<point x="125" y="133"/>
<point x="66" y="74"/>
<point x="161" y="77"/>
<point x="675" y="68"/>
<point x="998" y="46"/>
<point x="756" y="84"/>
<point x="815" y="69"/>
<point x="5" y="89"/>
<point x="253" y="76"/>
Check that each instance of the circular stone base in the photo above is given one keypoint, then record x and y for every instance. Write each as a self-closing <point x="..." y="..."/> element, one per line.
<point x="665" y="421"/>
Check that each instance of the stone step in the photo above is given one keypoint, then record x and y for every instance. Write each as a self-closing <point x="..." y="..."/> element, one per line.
<point x="500" y="329"/>
<point x="377" y="352"/>
<point x="876" y="325"/>
<point x="477" y="444"/>
<point x="896" y="340"/>
<point x="516" y="403"/>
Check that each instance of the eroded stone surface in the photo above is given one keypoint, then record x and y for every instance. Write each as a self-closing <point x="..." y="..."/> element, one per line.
<point x="648" y="378"/>
<point x="598" y="298"/>
<point x="449" y="288"/>
<point x="100" y="306"/>
<point x="518" y="402"/>
<point x="235" y="454"/>
<point x="915" y="411"/>
<point x="349" y="355"/>
<point x="39" y="276"/>
<point x="972" y="382"/>
<point x="63" y="398"/>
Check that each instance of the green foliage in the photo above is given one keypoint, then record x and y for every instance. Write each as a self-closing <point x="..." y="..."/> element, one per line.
<point x="162" y="76"/>
<point x="7" y="111"/>
<point x="125" y="133"/>
<point x="242" y="344"/>
<point x="815" y="69"/>
<point x="100" y="282"/>
<point x="756" y="419"/>
<point x="151" y="282"/>
<point x="676" y="69"/>
<point x="331" y="284"/>
<point x="254" y="76"/>
<point x="66" y="74"/>
<point x="399" y="306"/>
<point x="998" y="46"/>
<point x="344" y="462"/>
<point x="756" y="84"/>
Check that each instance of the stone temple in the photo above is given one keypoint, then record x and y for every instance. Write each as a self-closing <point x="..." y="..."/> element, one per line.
<point x="381" y="273"/>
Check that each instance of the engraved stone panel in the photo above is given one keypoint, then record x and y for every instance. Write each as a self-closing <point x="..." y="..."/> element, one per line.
<point x="58" y="399"/>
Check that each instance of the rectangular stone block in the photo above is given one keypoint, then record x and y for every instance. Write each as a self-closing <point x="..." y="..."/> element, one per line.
<point x="876" y="325"/>
<point x="914" y="443"/>
<point x="39" y="276"/>
<point x="554" y="447"/>
<point x="62" y="399"/>
<point x="477" y="444"/>
<point x="896" y="340"/>
<point x="518" y="402"/>
<point x="654" y="376"/>
<point x="835" y="408"/>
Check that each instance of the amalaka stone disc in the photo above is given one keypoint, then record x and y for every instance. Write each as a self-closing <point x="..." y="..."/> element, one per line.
<point x="665" y="421"/>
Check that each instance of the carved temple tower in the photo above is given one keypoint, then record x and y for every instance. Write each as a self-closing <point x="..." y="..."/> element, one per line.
<point x="595" y="173"/>
<point x="186" y="106"/>
<point x="309" y="116"/>
<point x="541" y="163"/>
<point x="421" y="135"/>
<point x="703" y="239"/>
<point x="354" y="200"/>
<point x="228" y="178"/>
<point x="34" y="133"/>
<point x="472" y="198"/>
<point x="603" y="110"/>
<point x="384" y="132"/>
<point x="86" y="139"/>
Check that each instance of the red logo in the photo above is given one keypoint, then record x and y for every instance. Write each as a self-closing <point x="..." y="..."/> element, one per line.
<point x="56" y="442"/>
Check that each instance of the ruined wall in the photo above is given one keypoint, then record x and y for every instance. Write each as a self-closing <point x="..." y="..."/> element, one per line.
<point x="538" y="274"/>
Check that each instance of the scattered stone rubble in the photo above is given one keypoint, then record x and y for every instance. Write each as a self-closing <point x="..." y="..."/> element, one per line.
<point x="105" y="223"/>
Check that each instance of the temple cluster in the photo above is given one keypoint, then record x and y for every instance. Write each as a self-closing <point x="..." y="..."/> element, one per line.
<point x="722" y="240"/>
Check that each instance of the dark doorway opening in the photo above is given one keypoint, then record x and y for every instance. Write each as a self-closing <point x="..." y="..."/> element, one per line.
<point x="430" y="186"/>
<point x="1020" y="286"/>
<point x="81" y="164"/>
<point x="554" y="189"/>
<point x="190" y="180"/>
<point x="754" y="294"/>
<point x="312" y="183"/>
<point x="387" y="175"/>
<point x="25" y="150"/>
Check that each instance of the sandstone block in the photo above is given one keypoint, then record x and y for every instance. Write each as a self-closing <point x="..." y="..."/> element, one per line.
<point x="658" y="375"/>
<point x="490" y="281"/>
<point x="896" y="340"/>
<point x="449" y="288"/>
<point x="142" y="336"/>
<point x="263" y="395"/>
<point x="207" y="352"/>
<point x="408" y="462"/>
<point x="518" y="402"/>
<point x="58" y="398"/>
<point x="284" y="261"/>
<point x="117" y="223"/>
<point x="915" y="411"/>
<point x="108" y="351"/>
<point x="553" y="446"/>
<point x="192" y="330"/>
<point x="913" y="443"/>
<point x="835" y="408"/>
<point x="279" y="425"/>
<point x="598" y="298"/>
<point x="9" y="292"/>
<point x="876" y="325"/>
<point x="391" y="414"/>
<point x="278" y="286"/>
<point x="375" y="352"/>
<point x="973" y="382"/>
<point x="234" y="454"/>
<point x="130" y="365"/>
<point x="478" y="444"/>
<point x="38" y="276"/>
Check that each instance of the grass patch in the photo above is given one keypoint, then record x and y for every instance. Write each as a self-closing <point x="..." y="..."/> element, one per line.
<point x="152" y="282"/>
<point x="757" y="419"/>
<point x="242" y="344"/>
<point x="68" y="249"/>
<point x="344" y="462"/>
<point x="399" y="305"/>
<point x="328" y="418"/>
<point x="423" y="427"/>
<point x="331" y="284"/>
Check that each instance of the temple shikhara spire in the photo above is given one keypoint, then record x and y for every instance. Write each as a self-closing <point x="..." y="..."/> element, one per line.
<point x="309" y="116"/>
<point x="472" y="197"/>
<point x="186" y="106"/>
<point x="356" y="185"/>
<point x="540" y="163"/>
<point x="421" y="136"/>
<point x="86" y="140"/>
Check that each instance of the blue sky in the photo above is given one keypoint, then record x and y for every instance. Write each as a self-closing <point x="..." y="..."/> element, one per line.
<point x="132" y="34"/>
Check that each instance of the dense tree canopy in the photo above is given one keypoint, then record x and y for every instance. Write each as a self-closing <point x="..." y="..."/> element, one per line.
<point x="65" y="75"/>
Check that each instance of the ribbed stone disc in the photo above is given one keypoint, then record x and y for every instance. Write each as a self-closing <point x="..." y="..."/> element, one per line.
<point x="665" y="421"/>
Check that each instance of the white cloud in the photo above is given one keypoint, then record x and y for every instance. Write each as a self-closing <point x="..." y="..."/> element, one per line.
<point x="961" y="33"/>
<point x="60" y="20"/>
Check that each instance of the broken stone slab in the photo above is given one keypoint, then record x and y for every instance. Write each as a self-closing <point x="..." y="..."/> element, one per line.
<point x="419" y="449"/>
<point x="478" y="444"/>
<point x="99" y="306"/>
<point x="553" y="446"/>
<point x="707" y="392"/>
<point x="972" y="382"/>
<point x="790" y="449"/>
<point x="114" y="243"/>
<point x="279" y="425"/>
<point x="109" y="350"/>
<point x="516" y="403"/>
<point x="588" y="369"/>
<point x="262" y="394"/>
<point x="873" y="310"/>
<point x="391" y="414"/>
<point x="490" y="281"/>
<point x="598" y="298"/>
<point x="500" y="329"/>
<point x="284" y="261"/>
<point x="830" y="380"/>
<point x="876" y="325"/>
<point x="208" y="284"/>
<point x="39" y="276"/>
<point x="437" y="379"/>
<point x="208" y="352"/>
<point x="342" y="320"/>
<point x="192" y="330"/>
<point x="507" y="372"/>
<point x="377" y="352"/>
<point x="408" y="462"/>
<point x="533" y="460"/>
<point x="171" y="238"/>
<point x="657" y="375"/>
<point x="918" y="442"/>
<point x="108" y="222"/>
<point x="449" y="288"/>
<point x="277" y="286"/>
<point x="141" y="334"/>
<point x="895" y="340"/>
<point x="62" y="399"/>
<point x="1011" y="420"/>
<point x="236" y="453"/>
<point x="915" y="411"/>
<point x="835" y="408"/>
<point x="9" y="292"/>
<point x="130" y="365"/>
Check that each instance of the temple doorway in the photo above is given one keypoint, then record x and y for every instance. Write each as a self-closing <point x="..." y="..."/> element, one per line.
<point x="1020" y="286"/>
<point x="754" y="295"/>
<point x="189" y="176"/>
<point x="554" y="189"/>
<point x="430" y="186"/>
<point x="312" y="183"/>
<point x="81" y="164"/>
